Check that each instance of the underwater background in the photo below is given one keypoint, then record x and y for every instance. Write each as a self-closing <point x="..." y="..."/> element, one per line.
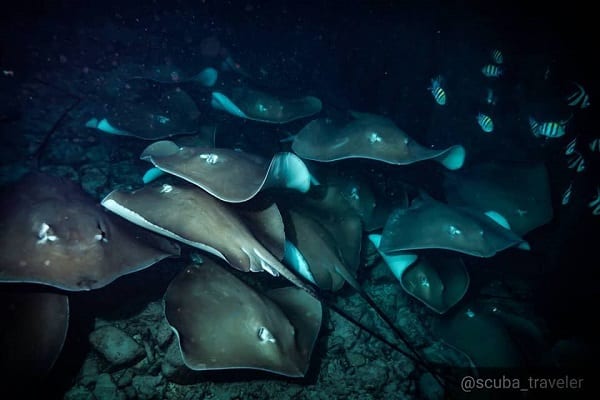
<point x="429" y="67"/>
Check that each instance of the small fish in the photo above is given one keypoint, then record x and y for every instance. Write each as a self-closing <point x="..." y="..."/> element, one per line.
<point x="548" y="129"/>
<point x="570" y="149"/>
<point x="567" y="195"/>
<point x="491" y="71"/>
<point x="595" y="204"/>
<point x="490" y="98"/>
<point x="577" y="162"/>
<point x="485" y="122"/>
<point x="497" y="56"/>
<point x="437" y="91"/>
<point x="547" y="73"/>
<point x="579" y="98"/>
<point x="595" y="145"/>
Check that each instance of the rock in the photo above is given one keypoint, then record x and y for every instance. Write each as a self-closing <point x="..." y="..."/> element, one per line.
<point x="93" y="180"/>
<point x="148" y="387"/>
<point x="429" y="388"/>
<point x="116" y="346"/>
<point x="106" y="389"/>
<point x="78" y="393"/>
<point x="89" y="372"/>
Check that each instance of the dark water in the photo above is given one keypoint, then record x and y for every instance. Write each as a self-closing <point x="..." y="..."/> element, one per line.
<point x="375" y="57"/>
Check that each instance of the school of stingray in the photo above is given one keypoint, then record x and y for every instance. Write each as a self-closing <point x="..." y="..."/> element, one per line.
<point x="292" y="216"/>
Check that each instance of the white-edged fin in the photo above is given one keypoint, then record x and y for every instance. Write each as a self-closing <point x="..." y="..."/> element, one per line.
<point x="454" y="158"/>
<point x="207" y="77"/>
<point x="137" y="219"/>
<point x="105" y="126"/>
<point x="297" y="262"/>
<point x="289" y="171"/>
<point x="152" y="174"/>
<point x="221" y="102"/>
<point x="397" y="263"/>
<point x="503" y="222"/>
<point x="92" y="123"/>
<point x="498" y="218"/>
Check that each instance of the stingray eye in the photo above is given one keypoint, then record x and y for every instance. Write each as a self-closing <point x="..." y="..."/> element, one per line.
<point x="264" y="335"/>
<point x="101" y="235"/>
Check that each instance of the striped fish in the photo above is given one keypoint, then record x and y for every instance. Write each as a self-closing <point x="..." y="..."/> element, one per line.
<point x="491" y="71"/>
<point x="547" y="129"/>
<point x="437" y="91"/>
<point x="485" y="122"/>
<point x="595" y="145"/>
<point x="595" y="204"/>
<point x="579" y="98"/>
<point x="570" y="149"/>
<point x="497" y="56"/>
<point x="577" y="162"/>
<point x="566" y="197"/>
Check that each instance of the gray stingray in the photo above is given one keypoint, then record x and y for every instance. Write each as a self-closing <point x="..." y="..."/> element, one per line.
<point x="368" y="136"/>
<point x="312" y="251"/>
<point x="190" y="215"/>
<point x="481" y="335"/>
<point x="439" y="281"/>
<point x="222" y="323"/>
<point x="146" y="110"/>
<point x="430" y="224"/>
<point x="170" y="74"/>
<point x="34" y="328"/>
<point x="258" y="106"/>
<point x="231" y="176"/>
<point x="60" y="236"/>
<point x="520" y="193"/>
<point x="345" y="196"/>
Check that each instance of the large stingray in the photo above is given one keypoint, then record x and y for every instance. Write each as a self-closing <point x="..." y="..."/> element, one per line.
<point x="34" y="328"/>
<point x="482" y="336"/>
<point x="439" y="281"/>
<point x="232" y="176"/>
<point x="430" y="224"/>
<point x="189" y="214"/>
<point x="520" y="193"/>
<point x="147" y="110"/>
<point x="258" y="106"/>
<point x="222" y="323"/>
<point x="368" y="136"/>
<point x="56" y="234"/>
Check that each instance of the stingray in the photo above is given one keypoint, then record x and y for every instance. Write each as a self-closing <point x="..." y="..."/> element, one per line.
<point x="231" y="176"/>
<point x="484" y="338"/>
<point x="258" y="106"/>
<point x="34" y="328"/>
<point x="222" y="323"/>
<point x="192" y="216"/>
<point x="312" y="251"/>
<point x="520" y="193"/>
<point x="439" y="281"/>
<point x="430" y="224"/>
<point x="147" y="110"/>
<point x="368" y="136"/>
<point x="167" y="74"/>
<point x="56" y="234"/>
